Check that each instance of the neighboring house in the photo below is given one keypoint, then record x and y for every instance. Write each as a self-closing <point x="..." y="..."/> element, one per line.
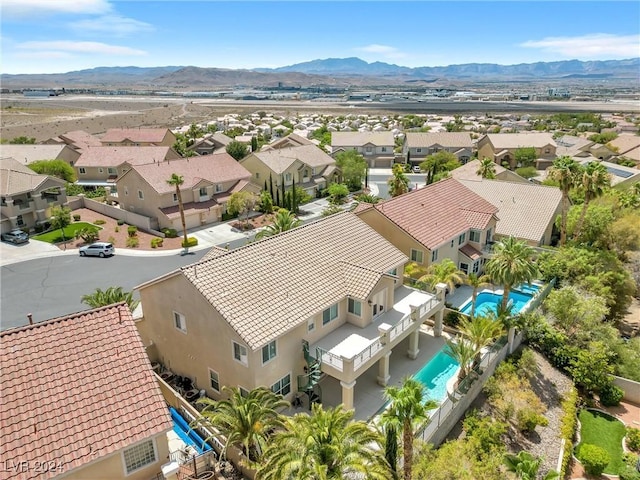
<point x="502" y="147"/>
<point x="27" y="154"/>
<point x="138" y="137"/>
<point x="307" y="165"/>
<point x="209" y="181"/>
<point x="291" y="140"/>
<point x="375" y="147"/>
<point x="526" y="211"/>
<point x="468" y="171"/>
<point x="442" y="220"/>
<point x="627" y="146"/>
<point x="418" y="145"/>
<point x="210" y="144"/>
<point x="27" y="197"/>
<point x="580" y="147"/>
<point x="265" y="314"/>
<point x="620" y="175"/>
<point x="80" y="401"/>
<point x="76" y="139"/>
<point x="101" y="166"/>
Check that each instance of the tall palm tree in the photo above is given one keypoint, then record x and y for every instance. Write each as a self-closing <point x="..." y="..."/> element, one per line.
<point x="564" y="171"/>
<point x="284" y="220"/>
<point x="463" y="352"/>
<point x="593" y="180"/>
<point x="487" y="168"/>
<point x="526" y="466"/>
<point x="444" y="272"/>
<point x="476" y="282"/>
<point x="398" y="183"/>
<point x="177" y="181"/>
<point x="407" y="410"/>
<point x="480" y="332"/>
<point x="511" y="264"/>
<point x="326" y="445"/>
<point x="247" y="421"/>
<point x="111" y="295"/>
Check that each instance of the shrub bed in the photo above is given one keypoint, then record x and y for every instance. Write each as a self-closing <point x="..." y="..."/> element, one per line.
<point x="191" y="242"/>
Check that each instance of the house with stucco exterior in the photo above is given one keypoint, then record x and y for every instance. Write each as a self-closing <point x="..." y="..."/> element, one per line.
<point x="377" y="148"/>
<point x="418" y="145"/>
<point x="502" y="147"/>
<point x="138" y="137"/>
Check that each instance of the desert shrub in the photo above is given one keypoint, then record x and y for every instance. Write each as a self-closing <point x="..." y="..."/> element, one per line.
<point x="156" y="242"/>
<point x="610" y="395"/>
<point x="633" y="439"/>
<point x="76" y="217"/>
<point x="132" y="230"/>
<point x="593" y="458"/>
<point x="133" y="242"/>
<point x="170" y="232"/>
<point x="99" y="222"/>
<point x="191" y="242"/>
<point x="568" y="426"/>
<point x="527" y="364"/>
<point x="120" y="222"/>
<point x="527" y="420"/>
<point x="111" y="240"/>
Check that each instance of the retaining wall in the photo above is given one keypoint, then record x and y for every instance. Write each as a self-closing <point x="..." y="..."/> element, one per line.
<point x="631" y="389"/>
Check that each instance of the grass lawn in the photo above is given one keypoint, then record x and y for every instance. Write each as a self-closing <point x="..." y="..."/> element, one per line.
<point x="604" y="431"/>
<point x="55" y="236"/>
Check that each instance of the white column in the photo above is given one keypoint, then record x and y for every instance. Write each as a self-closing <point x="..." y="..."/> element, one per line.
<point x="414" y="338"/>
<point x="383" y="370"/>
<point x="347" y="394"/>
<point x="437" y="325"/>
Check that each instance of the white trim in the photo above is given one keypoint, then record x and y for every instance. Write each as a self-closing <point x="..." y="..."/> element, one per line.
<point x="155" y="454"/>
<point x="246" y="355"/>
<point x="275" y="342"/>
<point x="182" y="320"/>
<point x="211" y="370"/>
<point x="279" y="380"/>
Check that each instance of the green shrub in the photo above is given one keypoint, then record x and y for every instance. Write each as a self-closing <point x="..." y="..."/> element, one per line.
<point x="633" y="439"/>
<point x="132" y="230"/>
<point x="593" y="458"/>
<point x="630" y="458"/>
<point x="568" y="426"/>
<point x="156" y="242"/>
<point x="610" y="395"/>
<point x="99" y="222"/>
<point x="527" y="420"/>
<point x="227" y="216"/>
<point x="76" y="217"/>
<point x="117" y="229"/>
<point x="120" y="222"/>
<point x="133" y="242"/>
<point x="628" y="473"/>
<point x="191" y="242"/>
<point x="170" y="232"/>
<point x="452" y="319"/>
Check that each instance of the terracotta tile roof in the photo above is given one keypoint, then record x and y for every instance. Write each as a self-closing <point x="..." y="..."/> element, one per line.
<point x="142" y="135"/>
<point x="16" y="178"/>
<point x="269" y="287"/>
<point x="517" y="140"/>
<point x="470" y="251"/>
<point x="216" y="168"/>
<point x="362" y="206"/>
<point x="525" y="210"/>
<point x="437" y="213"/>
<point x="279" y="159"/>
<point x="116" y="156"/>
<point x="76" y="389"/>
<point x="81" y="139"/>
<point x="215" y="252"/>
<point x="444" y="139"/>
<point x="358" y="139"/>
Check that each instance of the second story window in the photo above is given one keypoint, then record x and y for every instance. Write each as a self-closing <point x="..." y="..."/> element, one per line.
<point x="355" y="307"/>
<point x="203" y="191"/>
<point x="416" y="256"/>
<point x="418" y="150"/>
<point x="287" y="177"/>
<point x="434" y="255"/>
<point x="383" y="149"/>
<point x="474" y="236"/>
<point x="175" y="197"/>
<point x="112" y="171"/>
<point x="330" y="314"/>
<point x="214" y="380"/>
<point x="180" y="322"/>
<point x="218" y="188"/>
<point x="140" y="195"/>
<point x="82" y="170"/>
<point x="462" y="238"/>
<point x="240" y="353"/>
<point x="269" y="352"/>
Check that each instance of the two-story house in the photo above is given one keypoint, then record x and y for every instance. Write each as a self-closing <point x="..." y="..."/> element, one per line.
<point x="418" y="145"/>
<point x="323" y="302"/>
<point x="209" y="181"/>
<point x="375" y="147"/>
<point x="582" y="148"/>
<point x="210" y="144"/>
<point x="76" y="139"/>
<point x="80" y="401"/>
<point x="442" y="220"/>
<point x="305" y="165"/>
<point x="27" y="154"/>
<point x="502" y="147"/>
<point x="138" y="137"/>
<point x="27" y="197"/>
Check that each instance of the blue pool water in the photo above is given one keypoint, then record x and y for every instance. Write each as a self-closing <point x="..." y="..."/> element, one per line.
<point x="489" y="301"/>
<point x="436" y="373"/>
<point x="526" y="288"/>
<point x="186" y="434"/>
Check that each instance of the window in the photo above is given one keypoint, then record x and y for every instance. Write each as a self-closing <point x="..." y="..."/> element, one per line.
<point x="311" y="325"/>
<point x="383" y="149"/>
<point x="464" y="267"/>
<point x="474" y="236"/>
<point x="112" y="171"/>
<point x="140" y="195"/>
<point x="203" y="191"/>
<point x="269" y="352"/>
<point x="218" y="188"/>
<point x="240" y="353"/>
<point x="180" y="322"/>
<point x="416" y="256"/>
<point x="243" y="391"/>
<point x="418" y="150"/>
<point x="369" y="149"/>
<point x="434" y="255"/>
<point x="101" y="170"/>
<point x="175" y="197"/>
<point x="489" y="236"/>
<point x="19" y="221"/>
<point x="82" y="170"/>
<point x="476" y="267"/>
<point x="355" y="307"/>
<point x="257" y="174"/>
<point x="462" y="238"/>
<point x="394" y="272"/>
<point x="287" y="177"/>
<point x="282" y="386"/>
<point x="126" y="191"/>
<point x="452" y="243"/>
<point x="329" y="314"/>
<point x="214" y="380"/>
<point x="139" y="456"/>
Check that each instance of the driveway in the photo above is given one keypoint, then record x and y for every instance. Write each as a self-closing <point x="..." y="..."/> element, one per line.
<point x="10" y="253"/>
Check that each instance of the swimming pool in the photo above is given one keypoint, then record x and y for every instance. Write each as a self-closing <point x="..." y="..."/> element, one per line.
<point x="488" y="301"/>
<point x="436" y="373"/>
<point x="187" y="434"/>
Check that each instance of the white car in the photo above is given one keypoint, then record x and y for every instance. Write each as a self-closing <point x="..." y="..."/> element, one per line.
<point x="416" y="169"/>
<point x="98" y="249"/>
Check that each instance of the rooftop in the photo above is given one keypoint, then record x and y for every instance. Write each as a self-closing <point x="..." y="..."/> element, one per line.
<point x="116" y="156"/>
<point x="517" y="140"/>
<point x="444" y="139"/>
<point x="357" y="139"/>
<point x="17" y="178"/>
<point x="143" y="135"/>
<point x="280" y="159"/>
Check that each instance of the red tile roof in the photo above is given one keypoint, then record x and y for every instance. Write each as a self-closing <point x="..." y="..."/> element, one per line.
<point x="76" y="389"/>
<point x="437" y="213"/>
<point x="142" y="135"/>
<point x="470" y="251"/>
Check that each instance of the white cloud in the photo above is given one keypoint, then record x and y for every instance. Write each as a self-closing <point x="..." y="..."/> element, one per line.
<point x="92" y="48"/>
<point x="593" y="46"/>
<point x="21" y="8"/>
<point x="383" y="50"/>
<point x="112" y="24"/>
<point x="42" y="55"/>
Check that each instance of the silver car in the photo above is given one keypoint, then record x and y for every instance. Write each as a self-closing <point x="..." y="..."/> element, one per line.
<point x="98" y="249"/>
<point x="15" y="236"/>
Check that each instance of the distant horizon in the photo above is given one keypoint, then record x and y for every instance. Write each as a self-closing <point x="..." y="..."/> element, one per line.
<point x="46" y="36"/>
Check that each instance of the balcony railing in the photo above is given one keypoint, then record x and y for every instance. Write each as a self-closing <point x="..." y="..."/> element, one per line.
<point x="367" y="354"/>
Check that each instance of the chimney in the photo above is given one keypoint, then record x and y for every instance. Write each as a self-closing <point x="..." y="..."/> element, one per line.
<point x="30" y="317"/>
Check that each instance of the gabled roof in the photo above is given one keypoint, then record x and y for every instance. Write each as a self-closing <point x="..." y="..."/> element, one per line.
<point x="291" y="140"/>
<point x="26" y="154"/>
<point x="279" y="160"/>
<point x="438" y="212"/>
<point x="358" y="139"/>
<point x="518" y="140"/>
<point x="116" y="156"/>
<point x="142" y="135"/>
<point x="216" y="168"/>
<point x="524" y="209"/>
<point x="80" y="138"/>
<point x="16" y="178"/>
<point x="469" y="169"/>
<point x="76" y="389"/>
<point x="269" y="287"/>
<point x="624" y="143"/>
<point x="444" y="139"/>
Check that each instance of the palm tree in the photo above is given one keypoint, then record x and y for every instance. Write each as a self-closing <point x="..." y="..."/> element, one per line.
<point x="444" y="272"/>
<point x="476" y="282"/>
<point x="398" y="183"/>
<point x="526" y="466"/>
<point x="480" y="332"/>
<point x="487" y="168"/>
<point x="111" y="295"/>
<point x="407" y="410"/>
<point x="564" y="171"/>
<point x="284" y="220"/>
<point x="463" y="352"/>
<point x="326" y="445"/>
<point x="511" y="264"/>
<point x="594" y="180"/>
<point x="177" y="181"/>
<point x="245" y="421"/>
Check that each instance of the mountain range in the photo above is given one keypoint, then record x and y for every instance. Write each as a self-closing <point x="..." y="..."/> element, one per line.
<point x="338" y="72"/>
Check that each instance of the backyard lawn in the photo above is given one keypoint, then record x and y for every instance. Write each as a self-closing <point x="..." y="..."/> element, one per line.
<point x="604" y="431"/>
<point x="55" y="236"/>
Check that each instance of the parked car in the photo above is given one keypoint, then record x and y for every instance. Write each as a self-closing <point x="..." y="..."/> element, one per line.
<point x="15" y="236"/>
<point x="416" y="169"/>
<point x="98" y="249"/>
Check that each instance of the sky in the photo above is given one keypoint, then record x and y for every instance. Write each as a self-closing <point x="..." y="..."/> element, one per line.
<point x="56" y="36"/>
